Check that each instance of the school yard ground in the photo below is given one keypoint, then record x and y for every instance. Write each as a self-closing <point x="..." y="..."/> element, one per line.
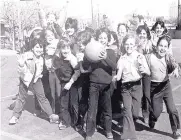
<point x="30" y="127"/>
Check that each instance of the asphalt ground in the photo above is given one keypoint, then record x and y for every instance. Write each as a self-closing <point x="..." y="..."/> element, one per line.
<point x="30" y="127"/>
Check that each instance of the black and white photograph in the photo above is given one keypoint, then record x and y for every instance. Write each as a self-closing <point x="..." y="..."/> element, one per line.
<point x="90" y="69"/>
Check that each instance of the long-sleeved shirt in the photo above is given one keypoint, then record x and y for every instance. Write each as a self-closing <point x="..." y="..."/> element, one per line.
<point x="102" y="71"/>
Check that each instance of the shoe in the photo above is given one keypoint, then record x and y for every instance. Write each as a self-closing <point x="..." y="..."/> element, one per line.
<point x="78" y="127"/>
<point x="151" y="124"/>
<point x="109" y="135"/>
<point x="13" y="120"/>
<point x="177" y="135"/>
<point x="88" y="138"/>
<point x="62" y="126"/>
<point x="54" y="118"/>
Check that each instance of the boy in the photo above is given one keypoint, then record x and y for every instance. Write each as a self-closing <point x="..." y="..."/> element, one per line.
<point x="30" y="69"/>
<point x="161" y="65"/>
<point x="130" y="67"/>
<point x="99" y="90"/>
<point x="67" y="72"/>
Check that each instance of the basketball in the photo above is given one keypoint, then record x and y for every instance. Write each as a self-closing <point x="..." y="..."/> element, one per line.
<point x="93" y="50"/>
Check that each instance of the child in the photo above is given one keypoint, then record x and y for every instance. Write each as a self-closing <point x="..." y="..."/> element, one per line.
<point x="30" y="69"/>
<point x="145" y="47"/>
<point x="67" y="72"/>
<point x="161" y="65"/>
<point x="83" y="38"/>
<point x="51" y="52"/>
<point x="99" y="89"/>
<point x="130" y="67"/>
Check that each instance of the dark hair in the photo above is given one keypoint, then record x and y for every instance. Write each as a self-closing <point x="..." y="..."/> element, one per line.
<point x="162" y="24"/>
<point x="63" y="43"/>
<point x="71" y="23"/>
<point x="34" y="42"/>
<point x="147" y="30"/>
<point x="165" y="37"/>
<point x="114" y="35"/>
<point x="103" y="30"/>
<point x="84" y="37"/>
<point x="124" y="24"/>
<point x="90" y="30"/>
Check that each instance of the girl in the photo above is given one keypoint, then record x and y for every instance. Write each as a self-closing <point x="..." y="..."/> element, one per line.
<point x="30" y="69"/>
<point x="130" y="67"/>
<point x="122" y="30"/>
<point x="51" y="52"/>
<point x="145" y="47"/>
<point x="67" y="72"/>
<point x="161" y="65"/>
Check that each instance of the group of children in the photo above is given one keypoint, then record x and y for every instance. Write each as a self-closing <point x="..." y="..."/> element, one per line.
<point x="134" y="67"/>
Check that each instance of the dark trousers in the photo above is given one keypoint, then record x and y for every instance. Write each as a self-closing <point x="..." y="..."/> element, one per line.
<point x="55" y="91"/>
<point x="132" y="94"/>
<point x="101" y="93"/>
<point x="37" y="89"/>
<point x="162" y="92"/>
<point x="146" y="101"/>
<point x="64" y="106"/>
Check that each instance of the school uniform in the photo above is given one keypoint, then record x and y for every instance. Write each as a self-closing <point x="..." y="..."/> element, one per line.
<point x="161" y="90"/>
<point x="30" y="79"/>
<point x="99" y="90"/>
<point x="65" y="72"/>
<point x="131" y="91"/>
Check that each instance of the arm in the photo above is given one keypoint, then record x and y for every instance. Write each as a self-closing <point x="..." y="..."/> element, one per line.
<point x="120" y="69"/>
<point x="111" y="59"/>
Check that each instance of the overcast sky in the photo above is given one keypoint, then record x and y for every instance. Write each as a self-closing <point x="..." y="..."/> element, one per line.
<point x="113" y="8"/>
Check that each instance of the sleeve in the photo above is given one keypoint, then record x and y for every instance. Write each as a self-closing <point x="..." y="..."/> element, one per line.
<point x="120" y="66"/>
<point x="111" y="59"/>
<point x="74" y="64"/>
<point x="145" y="64"/>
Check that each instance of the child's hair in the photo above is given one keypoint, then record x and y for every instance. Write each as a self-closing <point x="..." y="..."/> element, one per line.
<point x="147" y="30"/>
<point x="124" y="24"/>
<point x="63" y="43"/>
<point x="114" y="35"/>
<point x="128" y="36"/>
<point x="90" y="30"/>
<point x="165" y="37"/>
<point x="103" y="30"/>
<point x="34" y="42"/>
<point x="84" y="37"/>
<point x="162" y="24"/>
<point x="71" y="23"/>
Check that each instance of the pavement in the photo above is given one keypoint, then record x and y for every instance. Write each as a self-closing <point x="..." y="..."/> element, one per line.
<point x="30" y="127"/>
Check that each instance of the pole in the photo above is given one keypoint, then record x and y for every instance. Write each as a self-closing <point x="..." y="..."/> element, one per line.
<point x="178" y="20"/>
<point x="92" y="14"/>
<point x="98" y="16"/>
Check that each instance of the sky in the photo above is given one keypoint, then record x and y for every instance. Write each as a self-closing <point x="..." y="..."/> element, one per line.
<point x="113" y="8"/>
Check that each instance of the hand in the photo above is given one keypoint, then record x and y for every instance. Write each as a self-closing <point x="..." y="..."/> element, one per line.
<point x="141" y="69"/>
<point x="114" y="79"/>
<point x="80" y="57"/>
<point x="176" y="73"/>
<point x="68" y="86"/>
<point x="103" y="55"/>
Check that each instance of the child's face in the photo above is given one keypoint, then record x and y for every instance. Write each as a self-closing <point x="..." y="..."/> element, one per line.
<point x="143" y="35"/>
<point x="130" y="45"/>
<point x="49" y="36"/>
<point x="51" y="18"/>
<point x="122" y="31"/>
<point x="50" y="49"/>
<point x="70" y="31"/>
<point x="162" y="48"/>
<point x="82" y="47"/>
<point x="65" y="51"/>
<point x="159" y="30"/>
<point x="103" y="39"/>
<point x="37" y="50"/>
